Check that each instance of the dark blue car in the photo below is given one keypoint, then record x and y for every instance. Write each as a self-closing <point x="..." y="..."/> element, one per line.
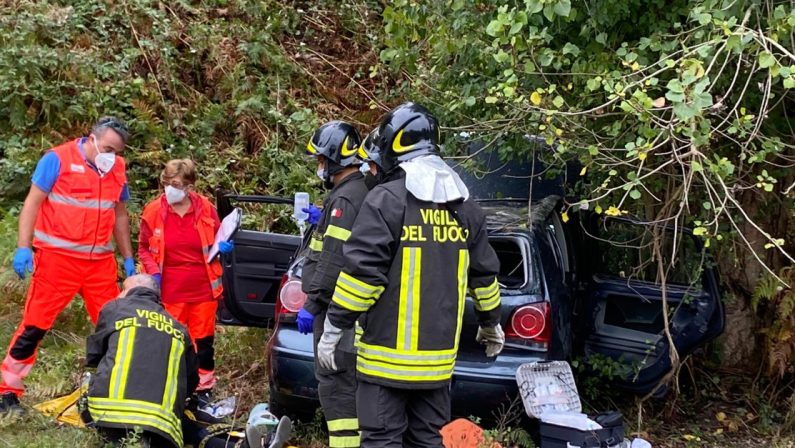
<point x="585" y="288"/>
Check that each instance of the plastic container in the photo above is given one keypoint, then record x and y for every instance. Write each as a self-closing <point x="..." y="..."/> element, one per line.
<point x="549" y="388"/>
<point x="300" y="202"/>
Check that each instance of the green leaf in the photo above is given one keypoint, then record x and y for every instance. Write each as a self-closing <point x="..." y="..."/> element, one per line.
<point x="534" y="6"/>
<point x="675" y="97"/>
<point x="593" y="84"/>
<point x="602" y="38"/>
<point x="789" y="83"/>
<point x="704" y="19"/>
<point x="766" y="59"/>
<point x="549" y="12"/>
<point x="558" y="101"/>
<point x="491" y="99"/>
<point x="494" y="28"/>
<point x="696" y="166"/>
<point x="571" y="49"/>
<point x="700" y="231"/>
<point x="470" y="101"/>
<point x="563" y="8"/>
<point x="685" y="112"/>
<point x="635" y="194"/>
<point x="502" y="57"/>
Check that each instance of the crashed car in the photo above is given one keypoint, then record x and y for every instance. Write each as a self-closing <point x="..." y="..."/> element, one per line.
<point x="581" y="289"/>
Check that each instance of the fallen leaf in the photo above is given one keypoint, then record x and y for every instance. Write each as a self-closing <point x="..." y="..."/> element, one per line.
<point x="659" y="102"/>
<point x="564" y="216"/>
<point x="720" y="416"/>
<point x="535" y="98"/>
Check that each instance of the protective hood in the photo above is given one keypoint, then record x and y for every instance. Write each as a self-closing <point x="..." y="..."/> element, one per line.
<point x="429" y="179"/>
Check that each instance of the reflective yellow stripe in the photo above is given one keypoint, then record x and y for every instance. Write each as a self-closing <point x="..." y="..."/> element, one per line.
<point x="338" y="233"/>
<point x="121" y="367"/>
<point x="463" y="278"/>
<point x="409" y="309"/>
<point x="127" y="415"/>
<point x="361" y="288"/>
<point x="343" y="441"/>
<point x="172" y="376"/>
<point x="358" y="332"/>
<point x="315" y="245"/>
<point x="487" y="291"/>
<point x="343" y="424"/>
<point x="488" y="305"/>
<point x="347" y="301"/>
<point x="416" y="358"/>
<point x="404" y="373"/>
<point x="134" y="406"/>
<point x="419" y="353"/>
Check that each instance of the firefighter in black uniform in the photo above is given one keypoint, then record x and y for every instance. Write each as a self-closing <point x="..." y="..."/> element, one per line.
<point x="335" y="145"/>
<point x="146" y="367"/>
<point x="417" y="247"/>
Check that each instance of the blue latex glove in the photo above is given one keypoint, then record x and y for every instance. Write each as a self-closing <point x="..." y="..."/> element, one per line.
<point x="23" y="259"/>
<point x="314" y="214"/>
<point x="305" y="320"/>
<point x="129" y="267"/>
<point x="226" y="246"/>
<point x="158" y="278"/>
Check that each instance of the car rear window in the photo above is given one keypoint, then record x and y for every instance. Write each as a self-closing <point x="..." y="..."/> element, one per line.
<point x="513" y="256"/>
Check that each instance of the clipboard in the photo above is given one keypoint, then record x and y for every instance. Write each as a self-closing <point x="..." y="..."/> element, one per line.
<point x="228" y="228"/>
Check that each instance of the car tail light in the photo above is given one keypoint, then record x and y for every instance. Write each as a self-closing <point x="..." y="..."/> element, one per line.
<point x="291" y="296"/>
<point x="531" y="322"/>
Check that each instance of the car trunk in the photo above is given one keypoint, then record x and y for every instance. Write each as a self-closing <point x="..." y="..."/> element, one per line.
<point x="518" y="286"/>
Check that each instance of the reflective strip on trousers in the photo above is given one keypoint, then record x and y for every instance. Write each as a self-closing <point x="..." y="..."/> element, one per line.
<point x="64" y="244"/>
<point x="409" y="311"/>
<point x="124" y="354"/>
<point x="337" y="233"/>
<point x="13" y="372"/>
<point x="315" y="245"/>
<point x="215" y="284"/>
<point x="82" y="203"/>
<point x="343" y="424"/>
<point x="344" y="441"/>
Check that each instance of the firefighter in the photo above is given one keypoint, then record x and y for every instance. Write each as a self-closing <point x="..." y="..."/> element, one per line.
<point x="335" y="145"/>
<point x="417" y="247"/>
<point x="76" y="204"/>
<point x="146" y="367"/>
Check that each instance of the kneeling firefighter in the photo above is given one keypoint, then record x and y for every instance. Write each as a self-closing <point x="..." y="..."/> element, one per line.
<point x="335" y="146"/>
<point x="417" y="246"/>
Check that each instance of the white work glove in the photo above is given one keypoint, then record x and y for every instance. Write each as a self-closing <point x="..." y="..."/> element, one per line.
<point x="493" y="338"/>
<point x="328" y="345"/>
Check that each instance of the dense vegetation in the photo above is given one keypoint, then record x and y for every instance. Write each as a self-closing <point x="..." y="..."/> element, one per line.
<point x="677" y="111"/>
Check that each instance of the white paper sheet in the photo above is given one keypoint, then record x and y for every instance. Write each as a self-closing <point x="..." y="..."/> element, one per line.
<point x="228" y="227"/>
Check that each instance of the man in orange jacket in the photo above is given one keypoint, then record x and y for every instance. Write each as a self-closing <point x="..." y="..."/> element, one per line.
<point x="76" y="204"/>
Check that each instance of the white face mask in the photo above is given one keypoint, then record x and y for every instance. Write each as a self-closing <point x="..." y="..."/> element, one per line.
<point x="104" y="161"/>
<point x="174" y="195"/>
<point x="321" y="173"/>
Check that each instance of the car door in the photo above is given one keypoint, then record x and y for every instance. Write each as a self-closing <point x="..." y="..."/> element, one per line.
<point x="265" y="243"/>
<point x="624" y="336"/>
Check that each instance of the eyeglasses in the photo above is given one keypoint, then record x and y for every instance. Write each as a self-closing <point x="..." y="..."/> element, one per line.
<point x="176" y="184"/>
<point x="113" y="123"/>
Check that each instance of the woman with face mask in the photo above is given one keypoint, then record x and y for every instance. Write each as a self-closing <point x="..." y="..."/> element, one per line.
<point x="177" y="230"/>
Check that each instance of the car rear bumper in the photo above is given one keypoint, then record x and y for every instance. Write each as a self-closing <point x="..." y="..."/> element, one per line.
<point x="482" y="389"/>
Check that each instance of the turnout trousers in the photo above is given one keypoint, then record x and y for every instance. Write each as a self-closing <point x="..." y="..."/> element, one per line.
<point x="337" y="389"/>
<point x="396" y="418"/>
<point x="199" y="318"/>
<point x="54" y="283"/>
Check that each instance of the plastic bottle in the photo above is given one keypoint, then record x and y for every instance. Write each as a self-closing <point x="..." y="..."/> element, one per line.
<point x="301" y="202"/>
